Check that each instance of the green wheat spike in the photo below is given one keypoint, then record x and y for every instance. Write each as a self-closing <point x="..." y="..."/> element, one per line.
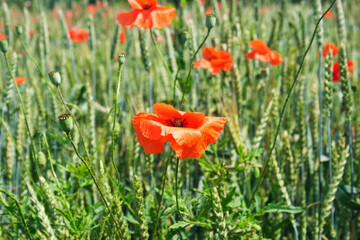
<point x="219" y="225"/>
<point x="143" y="227"/>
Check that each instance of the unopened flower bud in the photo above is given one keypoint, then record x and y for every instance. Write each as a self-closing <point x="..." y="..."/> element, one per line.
<point x="210" y="21"/>
<point x="121" y="59"/>
<point x="55" y="78"/>
<point x="66" y="122"/>
<point x="4" y="47"/>
<point x="19" y="30"/>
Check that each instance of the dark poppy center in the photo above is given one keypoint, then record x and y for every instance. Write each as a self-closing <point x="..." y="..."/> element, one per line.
<point x="177" y="122"/>
<point x="147" y="6"/>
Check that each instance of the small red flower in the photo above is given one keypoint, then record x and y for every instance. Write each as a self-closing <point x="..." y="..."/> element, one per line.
<point x="336" y="71"/>
<point x="78" y="35"/>
<point x="19" y="80"/>
<point x="263" y="53"/>
<point x="215" y="60"/>
<point x="189" y="133"/>
<point x="31" y="33"/>
<point x="147" y="14"/>
<point x="333" y="47"/>
<point x="2" y="37"/>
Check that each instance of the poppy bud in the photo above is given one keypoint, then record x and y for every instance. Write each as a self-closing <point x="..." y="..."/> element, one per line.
<point x="210" y="21"/>
<point x="19" y="30"/>
<point x="66" y="122"/>
<point x="121" y="59"/>
<point x="55" y="78"/>
<point x="4" y="47"/>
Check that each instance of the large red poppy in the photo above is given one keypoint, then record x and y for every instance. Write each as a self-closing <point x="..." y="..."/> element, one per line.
<point x="263" y="53"/>
<point x="336" y="71"/>
<point x="215" y="60"/>
<point x="189" y="133"/>
<point x="78" y="35"/>
<point x="147" y="14"/>
<point x="333" y="47"/>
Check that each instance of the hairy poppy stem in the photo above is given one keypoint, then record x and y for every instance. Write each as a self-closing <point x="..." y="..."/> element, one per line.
<point x="93" y="176"/>
<point x="191" y="66"/>
<point x="92" y="170"/>
<point x="114" y="123"/>
<point x="285" y="104"/>
<point x="162" y="193"/>
<point x="20" y="212"/>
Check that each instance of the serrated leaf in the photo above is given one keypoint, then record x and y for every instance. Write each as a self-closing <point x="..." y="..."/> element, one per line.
<point x="277" y="207"/>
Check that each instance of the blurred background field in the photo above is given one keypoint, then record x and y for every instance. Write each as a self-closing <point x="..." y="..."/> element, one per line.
<point x="310" y="189"/>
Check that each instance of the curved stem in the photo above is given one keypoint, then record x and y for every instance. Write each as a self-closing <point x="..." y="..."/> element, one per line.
<point x="93" y="176"/>
<point x="19" y="209"/>
<point x="114" y="122"/>
<point x="285" y="104"/>
<point x="162" y="193"/>
<point x="191" y="66"/>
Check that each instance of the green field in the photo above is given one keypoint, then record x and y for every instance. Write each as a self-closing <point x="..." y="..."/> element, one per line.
<point x="202" y="119"/>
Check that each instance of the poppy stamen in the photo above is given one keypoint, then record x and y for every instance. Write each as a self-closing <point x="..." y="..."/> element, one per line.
<point x="177" y="122"/>
<point x="147" y="6"/>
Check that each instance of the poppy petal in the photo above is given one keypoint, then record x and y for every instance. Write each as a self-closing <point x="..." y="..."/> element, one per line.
<point x="195" y="151"/>
<point x="251" y="55"/>
<point x="129" y="19"/>
<point x="193" y="120"/>
<point x="162" y="16"/>
<point x="275" y="58"/>
<point x="263" y="57"/>
<point x="260" y="46"/>
<point x="141" y="4"/>
<point x="212" y="128"/>
<point x="186" y="137"/>
<point x="202" y="63"/>
<point x="166" y="111"/>
<point x="209" y="53"/>
<point x="150" y="146"/>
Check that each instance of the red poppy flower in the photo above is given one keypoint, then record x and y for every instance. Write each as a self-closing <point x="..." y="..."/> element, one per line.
<point x="209" y="9"/>
<point x="78" y="35"/>
<point x="2" y="36"/>
<point x="99" y="4"/>
<point x="336" y="71"/>
<point x="328" y="15"/>
<point x="31" y="33"/>
<point x="189" y="133"/>
<point x="19" y="80"/>
<point x="91" y="8"/>
<point x="147" y="14"/>
<point x="263" y="53"/>
<point x="334" y="49"/>
<point x="122" y="35"/>
<point x="214" y="60"/>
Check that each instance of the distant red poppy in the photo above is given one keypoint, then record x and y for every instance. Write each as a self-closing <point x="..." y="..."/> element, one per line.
<point x="99" y="5"/>
<point x="263" y="53"/>
<point x="328" y="15"/>
<point x="78" y="35"/>
<point x="334" y="49"/>
<point x="147" y="14"/>
<point x="215" y="60"/>
<point x="122" y="35"/>
<point x="2" y="37"/>
<point x="91" y="8"/>
<point x="78" y="7"/>
<point x="336" y="71"/>
<point x="31" y="33"/>
<point x="19" y="80"/>
<point x="209" y="9"/>
<point x="189" y="133"/>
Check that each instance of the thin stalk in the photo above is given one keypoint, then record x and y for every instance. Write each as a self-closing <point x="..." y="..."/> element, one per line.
<point x="93" y="176"/>
<point x="162" y="193"/>
<point x="19" y="209"/>
<point x="330" y="163"/>
<point x="266" y="163"/>
<point x="191" y="66"/>
<point x="320" y="143"/>
<point x="150" y="92"/>
<point x="114" y="122"/>
<point x="24" y="112"/>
